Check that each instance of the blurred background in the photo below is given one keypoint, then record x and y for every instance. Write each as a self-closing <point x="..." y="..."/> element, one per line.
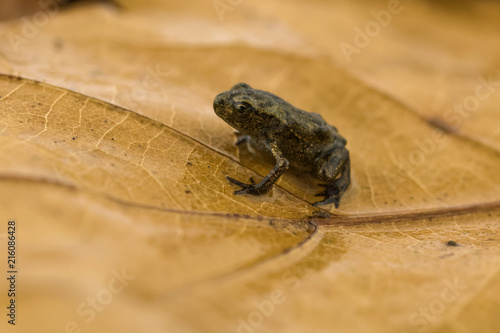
<point x="112" y="162"/>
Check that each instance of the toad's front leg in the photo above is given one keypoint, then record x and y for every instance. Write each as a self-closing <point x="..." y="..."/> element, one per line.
<point x="267" y="183"/>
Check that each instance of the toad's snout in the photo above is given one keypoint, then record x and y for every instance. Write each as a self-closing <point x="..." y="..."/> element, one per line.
<point x="220" y="106"/>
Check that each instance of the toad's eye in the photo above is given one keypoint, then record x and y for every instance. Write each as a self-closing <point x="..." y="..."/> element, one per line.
<point x="243" y="107"/>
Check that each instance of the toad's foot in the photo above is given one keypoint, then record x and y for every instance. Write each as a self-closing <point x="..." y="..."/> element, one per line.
<point x="252" y="188"/>
<point x="333" y="193"/>
<point x="242" y="138"/>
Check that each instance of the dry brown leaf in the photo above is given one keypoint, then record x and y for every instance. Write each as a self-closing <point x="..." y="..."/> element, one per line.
<point x="115" y="165"/>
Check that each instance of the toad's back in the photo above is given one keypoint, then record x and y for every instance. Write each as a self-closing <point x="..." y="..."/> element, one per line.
<point x="290" y="135"/>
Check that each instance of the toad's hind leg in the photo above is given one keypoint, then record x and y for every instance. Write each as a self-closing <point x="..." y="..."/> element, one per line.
<point x="334" y="163"/>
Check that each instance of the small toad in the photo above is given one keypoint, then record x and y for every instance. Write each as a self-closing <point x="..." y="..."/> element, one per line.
<point x="292" y="136"/>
